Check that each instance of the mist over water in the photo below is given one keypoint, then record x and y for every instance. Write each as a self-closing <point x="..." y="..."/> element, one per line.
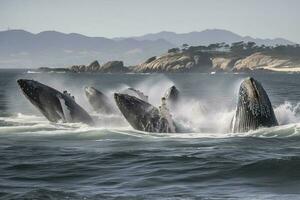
<point x="44" y="160"/>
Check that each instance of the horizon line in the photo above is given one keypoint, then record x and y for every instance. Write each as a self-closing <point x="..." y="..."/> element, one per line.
<point x="133" y="36"/>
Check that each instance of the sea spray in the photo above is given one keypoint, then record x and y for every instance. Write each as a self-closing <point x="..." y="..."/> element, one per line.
<point x="198" y="114"/>
<point x="287" y="113"/>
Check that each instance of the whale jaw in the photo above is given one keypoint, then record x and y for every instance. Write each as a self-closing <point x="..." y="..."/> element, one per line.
<point x="43" y="99"/>
<point x="254" y="108"/>
<point x="54" y="105"/>
<point x="30" y="89"/>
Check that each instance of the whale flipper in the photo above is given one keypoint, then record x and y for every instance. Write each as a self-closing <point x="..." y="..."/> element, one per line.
<point x="54" y="105"/>
<point x="254" y="108"/>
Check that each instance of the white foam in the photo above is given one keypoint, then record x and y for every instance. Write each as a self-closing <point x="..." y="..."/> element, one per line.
<point x="199" y="117"/>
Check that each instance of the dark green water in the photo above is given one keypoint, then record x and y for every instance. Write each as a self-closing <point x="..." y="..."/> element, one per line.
<point x="40" y="160"/>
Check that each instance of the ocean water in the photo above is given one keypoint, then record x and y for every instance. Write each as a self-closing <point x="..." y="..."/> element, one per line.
<point x="42" y="160"/>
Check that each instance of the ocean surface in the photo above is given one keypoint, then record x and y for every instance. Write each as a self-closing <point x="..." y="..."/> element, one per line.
<point x="42" y="160"/>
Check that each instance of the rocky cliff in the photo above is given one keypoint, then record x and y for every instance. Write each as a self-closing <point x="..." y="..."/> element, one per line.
<point x="113" y="67"/>
<point x="258" y="61"/>
<point x="239" y="56"/>
<point x="181" y="62"/>
<point x="94" y="67"/>
<point x="223" y="64"/>
<point x="175" y="62"/>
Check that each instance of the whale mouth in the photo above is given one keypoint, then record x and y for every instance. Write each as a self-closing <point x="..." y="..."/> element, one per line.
<point x="28" y="87"/>
<point x="22" y="83"/>
<point x="254" y="108"/>
<point x="122" y="100"/>
<point x="131" y="105"/>
<point x="31" y="90"/>
<point x="252" y="89"/>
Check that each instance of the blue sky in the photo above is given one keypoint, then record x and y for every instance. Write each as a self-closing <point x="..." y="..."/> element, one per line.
<point x="116" y="18"/>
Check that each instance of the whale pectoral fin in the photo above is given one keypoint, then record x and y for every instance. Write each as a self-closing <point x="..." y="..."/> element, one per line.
<point x="65" y="109"/>
<point x="61" y="115"/>
<point x="232" y="124"/>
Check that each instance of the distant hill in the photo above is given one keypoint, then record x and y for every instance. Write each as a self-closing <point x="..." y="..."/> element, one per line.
<point x="207" y="37"/>
<point x="19" y="48"/>
<point x="219" y="57"/>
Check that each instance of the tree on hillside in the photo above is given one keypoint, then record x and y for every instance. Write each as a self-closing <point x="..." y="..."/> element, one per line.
<point x="174" y="50"/>
<point x="185" y="46"/>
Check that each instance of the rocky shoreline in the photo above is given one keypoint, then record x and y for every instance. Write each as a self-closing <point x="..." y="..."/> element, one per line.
<point x="94" y="67"/>
<point x="201" y="59"/>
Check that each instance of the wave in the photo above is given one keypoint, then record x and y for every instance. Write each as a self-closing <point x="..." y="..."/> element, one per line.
<point x="32" y="72"/>
<point x="42" y="194"/>
<point x="116" y="125"/>
<point x="285" y="167"/>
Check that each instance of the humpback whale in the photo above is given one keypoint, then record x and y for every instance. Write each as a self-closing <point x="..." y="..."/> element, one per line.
<point x="99" y="101"/>
<point x="136" y="93"/>
<point x="143" y="116"/>
<point x="54" y="105"/>
<point x="254" y="108"/>
<point x="172" y="96"/>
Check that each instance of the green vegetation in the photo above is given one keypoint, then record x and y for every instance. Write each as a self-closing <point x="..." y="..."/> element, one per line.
<point x="239" y="49"/>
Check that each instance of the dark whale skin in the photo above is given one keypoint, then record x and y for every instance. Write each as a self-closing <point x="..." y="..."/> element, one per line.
<point x="141" y="115"/>
<point x="254" y="108"/>
<point x="54" y="105"/>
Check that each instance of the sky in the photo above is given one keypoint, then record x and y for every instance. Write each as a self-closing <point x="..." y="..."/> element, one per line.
<point x="125" y="18"/>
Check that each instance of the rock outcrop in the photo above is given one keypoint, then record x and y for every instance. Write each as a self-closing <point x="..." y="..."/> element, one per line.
<point x="223" y="64"/>
<point x="113" y="67"/>
<point x="175" y="62"/>
<point x="267" y="62"/>
<point x="109" y="67"/>
<point x="93" y="67"/>
<point x="78" y="68"/>
<point x="255" y="61"/>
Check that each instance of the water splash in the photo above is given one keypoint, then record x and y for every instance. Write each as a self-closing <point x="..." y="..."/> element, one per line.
<point x="199" y="117"/>
<point x="287" y="113"/>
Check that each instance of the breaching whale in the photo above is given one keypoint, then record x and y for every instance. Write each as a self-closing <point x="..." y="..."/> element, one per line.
<point x="143" y="116"/>
<point x="172" y="96"/>
<point x="99" y="101"/>
<point x="54" y="105"/>
<point x="254" y="108"/>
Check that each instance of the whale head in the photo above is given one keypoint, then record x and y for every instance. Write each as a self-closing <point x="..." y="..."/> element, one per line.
<point x="143" y="116"/>
<point x="172" y="95"/>
<point x="43" y="98"/>
<point x="254" y="108"/>
<point x="140" y="114"/>
<point x="54" y="105"/>
<point x="31" y="89"/>
<point x="253" y="95"/>
<point x="131" y="106"/>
